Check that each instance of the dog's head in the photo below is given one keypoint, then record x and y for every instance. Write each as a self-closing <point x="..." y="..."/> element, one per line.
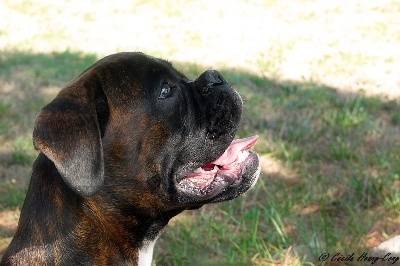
<point x="133" y="124"/>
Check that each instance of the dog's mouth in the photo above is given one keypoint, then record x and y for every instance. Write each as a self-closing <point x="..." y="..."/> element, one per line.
<point x="228" y="171"/>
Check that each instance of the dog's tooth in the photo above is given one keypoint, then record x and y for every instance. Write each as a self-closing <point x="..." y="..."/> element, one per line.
<point x="199" y="170"/>
<point x="242" y="156"/>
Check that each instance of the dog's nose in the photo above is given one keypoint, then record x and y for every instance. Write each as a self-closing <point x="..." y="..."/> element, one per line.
<point x="209" y="80"/>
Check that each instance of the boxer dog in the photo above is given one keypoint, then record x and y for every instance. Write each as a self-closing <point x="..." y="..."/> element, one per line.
<point x="124" y="147"/>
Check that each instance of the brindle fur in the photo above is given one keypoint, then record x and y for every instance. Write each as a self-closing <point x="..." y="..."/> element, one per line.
<point x="102" y="183"/>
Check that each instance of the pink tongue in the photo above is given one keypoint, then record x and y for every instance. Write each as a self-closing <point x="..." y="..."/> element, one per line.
<point x="232" y="152"/>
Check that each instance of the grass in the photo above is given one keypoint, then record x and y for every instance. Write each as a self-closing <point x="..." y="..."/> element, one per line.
<point x="329" y="143"/>
<point x="13" y="197"/>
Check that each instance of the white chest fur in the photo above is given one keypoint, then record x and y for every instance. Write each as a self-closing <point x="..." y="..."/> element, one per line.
<point x="146" y="253"/>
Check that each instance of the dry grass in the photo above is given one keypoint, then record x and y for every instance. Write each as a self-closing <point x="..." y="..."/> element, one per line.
<point x="347" y="45"/>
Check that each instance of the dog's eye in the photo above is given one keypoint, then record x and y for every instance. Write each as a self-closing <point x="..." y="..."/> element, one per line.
<point x="166" y="91"/>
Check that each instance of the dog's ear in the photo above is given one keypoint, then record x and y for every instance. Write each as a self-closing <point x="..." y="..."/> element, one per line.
<point x="68" y="131"/>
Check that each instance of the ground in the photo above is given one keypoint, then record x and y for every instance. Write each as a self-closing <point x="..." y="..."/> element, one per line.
<point x="321" y="86"/>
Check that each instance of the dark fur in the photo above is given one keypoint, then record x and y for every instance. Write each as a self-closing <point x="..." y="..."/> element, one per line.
<point x="110" y="150"/>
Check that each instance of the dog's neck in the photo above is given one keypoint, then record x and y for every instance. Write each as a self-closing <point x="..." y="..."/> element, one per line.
<point x="60" y="220"/>
<point x="146" y="252"/>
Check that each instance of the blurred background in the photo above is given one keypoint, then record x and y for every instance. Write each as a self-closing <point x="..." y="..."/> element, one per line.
<point x="321" y="83"/>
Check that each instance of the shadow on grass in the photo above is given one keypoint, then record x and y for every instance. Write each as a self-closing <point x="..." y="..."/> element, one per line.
<point x="342" y="147"/>
<point x="29" y="81"/>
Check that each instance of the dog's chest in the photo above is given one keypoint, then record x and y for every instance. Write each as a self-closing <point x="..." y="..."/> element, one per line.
<point x="146" y="252"/>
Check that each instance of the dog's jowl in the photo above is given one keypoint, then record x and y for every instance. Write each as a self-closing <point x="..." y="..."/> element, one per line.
<point x="124" y="147"/>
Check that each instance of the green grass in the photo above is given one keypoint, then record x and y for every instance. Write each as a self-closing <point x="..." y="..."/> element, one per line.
<point x="43" y="68"/>
<point x="23" y="153"/>
<point x="319" y="121"/>
<point x="344" y="153"/>
<point x="12" y="197"/>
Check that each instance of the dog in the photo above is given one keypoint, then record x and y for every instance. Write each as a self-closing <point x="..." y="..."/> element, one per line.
<point x="124" y="147"/>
